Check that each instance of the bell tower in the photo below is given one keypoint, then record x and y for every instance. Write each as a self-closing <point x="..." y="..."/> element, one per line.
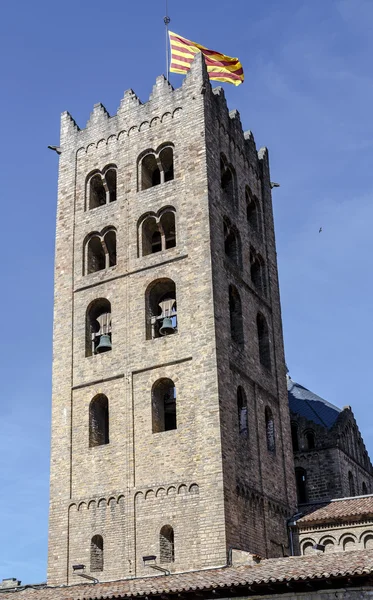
<point x="170" y="420"/>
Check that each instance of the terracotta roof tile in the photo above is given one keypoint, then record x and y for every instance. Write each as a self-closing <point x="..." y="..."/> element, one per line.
<point x="300" y="568"/>
<point x="336" y="510"/>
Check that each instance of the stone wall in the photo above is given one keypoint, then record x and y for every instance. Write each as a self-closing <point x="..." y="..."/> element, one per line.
<point x="197" y="479"/>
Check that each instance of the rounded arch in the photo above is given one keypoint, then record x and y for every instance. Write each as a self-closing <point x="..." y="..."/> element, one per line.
<point x="232" y="242"/>
<point x="263" y="341"/>
<point x="310" y="439"/>
<point x="98" y="327"/>
<point x="99" y="421"/>
<point x="160" y="308"/>
<point x="235" y="314"/>
<point x="97" y="553"/>
<point x="167" y="544"/>
<point x="163" y="405"/>
<point x="307" y="546"/>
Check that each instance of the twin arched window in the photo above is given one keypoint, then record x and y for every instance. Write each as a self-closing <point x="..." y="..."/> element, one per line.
<point x="157" y="232"/>
<point x="101" y="187"/>
<point x="156" y="167"/>
<point x="100" y="251"/>
<point x="164" y="406"/>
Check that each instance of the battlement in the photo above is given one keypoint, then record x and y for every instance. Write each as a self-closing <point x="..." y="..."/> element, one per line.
<point x="163" y="103"/>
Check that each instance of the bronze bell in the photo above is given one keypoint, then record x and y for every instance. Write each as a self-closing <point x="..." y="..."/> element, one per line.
<point x="104" y="344"/>
<point x="167" y="327"/>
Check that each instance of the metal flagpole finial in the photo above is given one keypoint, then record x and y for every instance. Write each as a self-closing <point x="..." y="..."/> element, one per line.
<point x="166" y="21"/>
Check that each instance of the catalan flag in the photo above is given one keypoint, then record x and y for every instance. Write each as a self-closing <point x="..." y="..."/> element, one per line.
<point x="219" y="67"/>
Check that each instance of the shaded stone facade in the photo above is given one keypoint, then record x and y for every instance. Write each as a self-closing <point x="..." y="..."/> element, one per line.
<point x="330" y="457"/>
<point x="165" y="226"/>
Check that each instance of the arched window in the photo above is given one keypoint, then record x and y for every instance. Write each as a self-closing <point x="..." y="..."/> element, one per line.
<point x="351" y="484"/>
<point x="308" y="548"/>
<point x="102" y="187"/>
<point x="228" y="182"/>
<point x="98" y="327"/>
<point x="97" y="553"/>
<point x="253" y="211"/>
<point x="349" y="543"/>
<point x="368" y="542"/>
<point x="232" y="243"/>
<point x="257" y="272"/>
<point x="310" y="440"/>
<point x="156" y="167"/>
<point x="235" y="313"/>
<point x="157" y="233"/>
<point x="301" y="482"/>
<point x="100" y="251"/>
<point x="164" y="406"/>
<point x="99" y="421"/>
<point x="263" y="341"/>
<point x="161" y="313"/>
<point x="166" y="544"/>
<point x="294" y="436"/>
<point x="166" y="156"/>
<point x="329" y="546"/>
<point x="242" y="412"/>
<point x="364" y="488"/>
<point x="270" y="430"/>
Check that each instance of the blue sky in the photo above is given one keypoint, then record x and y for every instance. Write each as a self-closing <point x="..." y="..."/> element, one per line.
<point x="307" y="96"/>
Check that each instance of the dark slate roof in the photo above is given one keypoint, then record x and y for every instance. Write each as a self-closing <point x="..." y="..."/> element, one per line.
<point x="309" y="405"/>
<point x="232" y="581"/>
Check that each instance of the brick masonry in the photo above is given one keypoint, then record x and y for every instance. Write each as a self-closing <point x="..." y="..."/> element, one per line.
<point x="213" y="487"/>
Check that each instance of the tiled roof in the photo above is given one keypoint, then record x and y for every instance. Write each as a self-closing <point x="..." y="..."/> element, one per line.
<point x="307" y="404"/>
<point x="336" y="510"/>
<point x="278" y="571"/>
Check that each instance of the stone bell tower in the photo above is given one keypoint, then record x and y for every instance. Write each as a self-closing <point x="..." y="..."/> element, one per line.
<point x="170" y="424"/>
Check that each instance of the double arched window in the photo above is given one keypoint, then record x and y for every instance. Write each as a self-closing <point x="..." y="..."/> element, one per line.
<point x="156" y="167"/>
<point x="157" y="232"/>
<point x="101" y="187"/>
<point x="164" y="406"/>
<point x="100" y="251"/>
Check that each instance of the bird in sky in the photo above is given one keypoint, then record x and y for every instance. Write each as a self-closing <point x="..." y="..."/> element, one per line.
<point x="320" y="230"/>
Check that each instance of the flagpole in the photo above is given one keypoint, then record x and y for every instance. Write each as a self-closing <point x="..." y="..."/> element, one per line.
<point x="166" y="21"/>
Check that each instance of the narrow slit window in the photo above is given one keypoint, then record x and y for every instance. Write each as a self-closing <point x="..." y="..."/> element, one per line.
<point x="270" y="430"/>
<point x="164" y="406"/>
<point x="263" y="341"/>
<point x="99" y="421"/>
<point x="242" y="412"/>
<point x="235" y="313"/>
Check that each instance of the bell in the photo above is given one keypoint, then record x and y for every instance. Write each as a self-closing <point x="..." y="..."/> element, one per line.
<point x="167" y="327"/>
<point x="104" y="344"/>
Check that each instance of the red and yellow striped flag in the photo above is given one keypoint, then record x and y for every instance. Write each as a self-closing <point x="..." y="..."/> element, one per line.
<point x="219" y="67"/>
